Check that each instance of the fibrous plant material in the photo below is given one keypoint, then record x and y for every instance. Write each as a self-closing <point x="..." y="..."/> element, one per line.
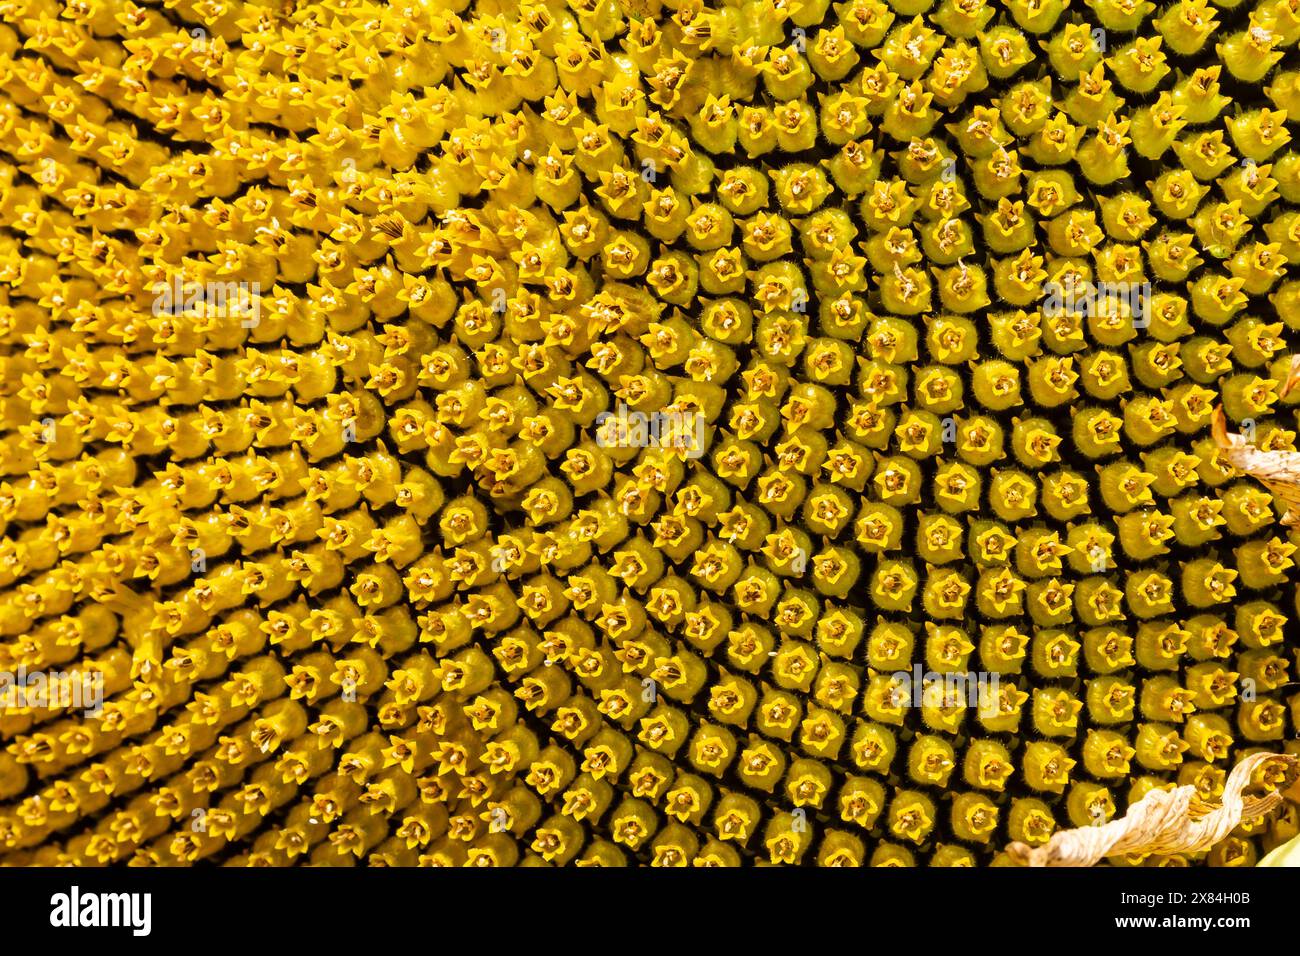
<point x="487" y="433"/>
<point x="1163" y="822"/>
<point x="1279" y="470"/>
